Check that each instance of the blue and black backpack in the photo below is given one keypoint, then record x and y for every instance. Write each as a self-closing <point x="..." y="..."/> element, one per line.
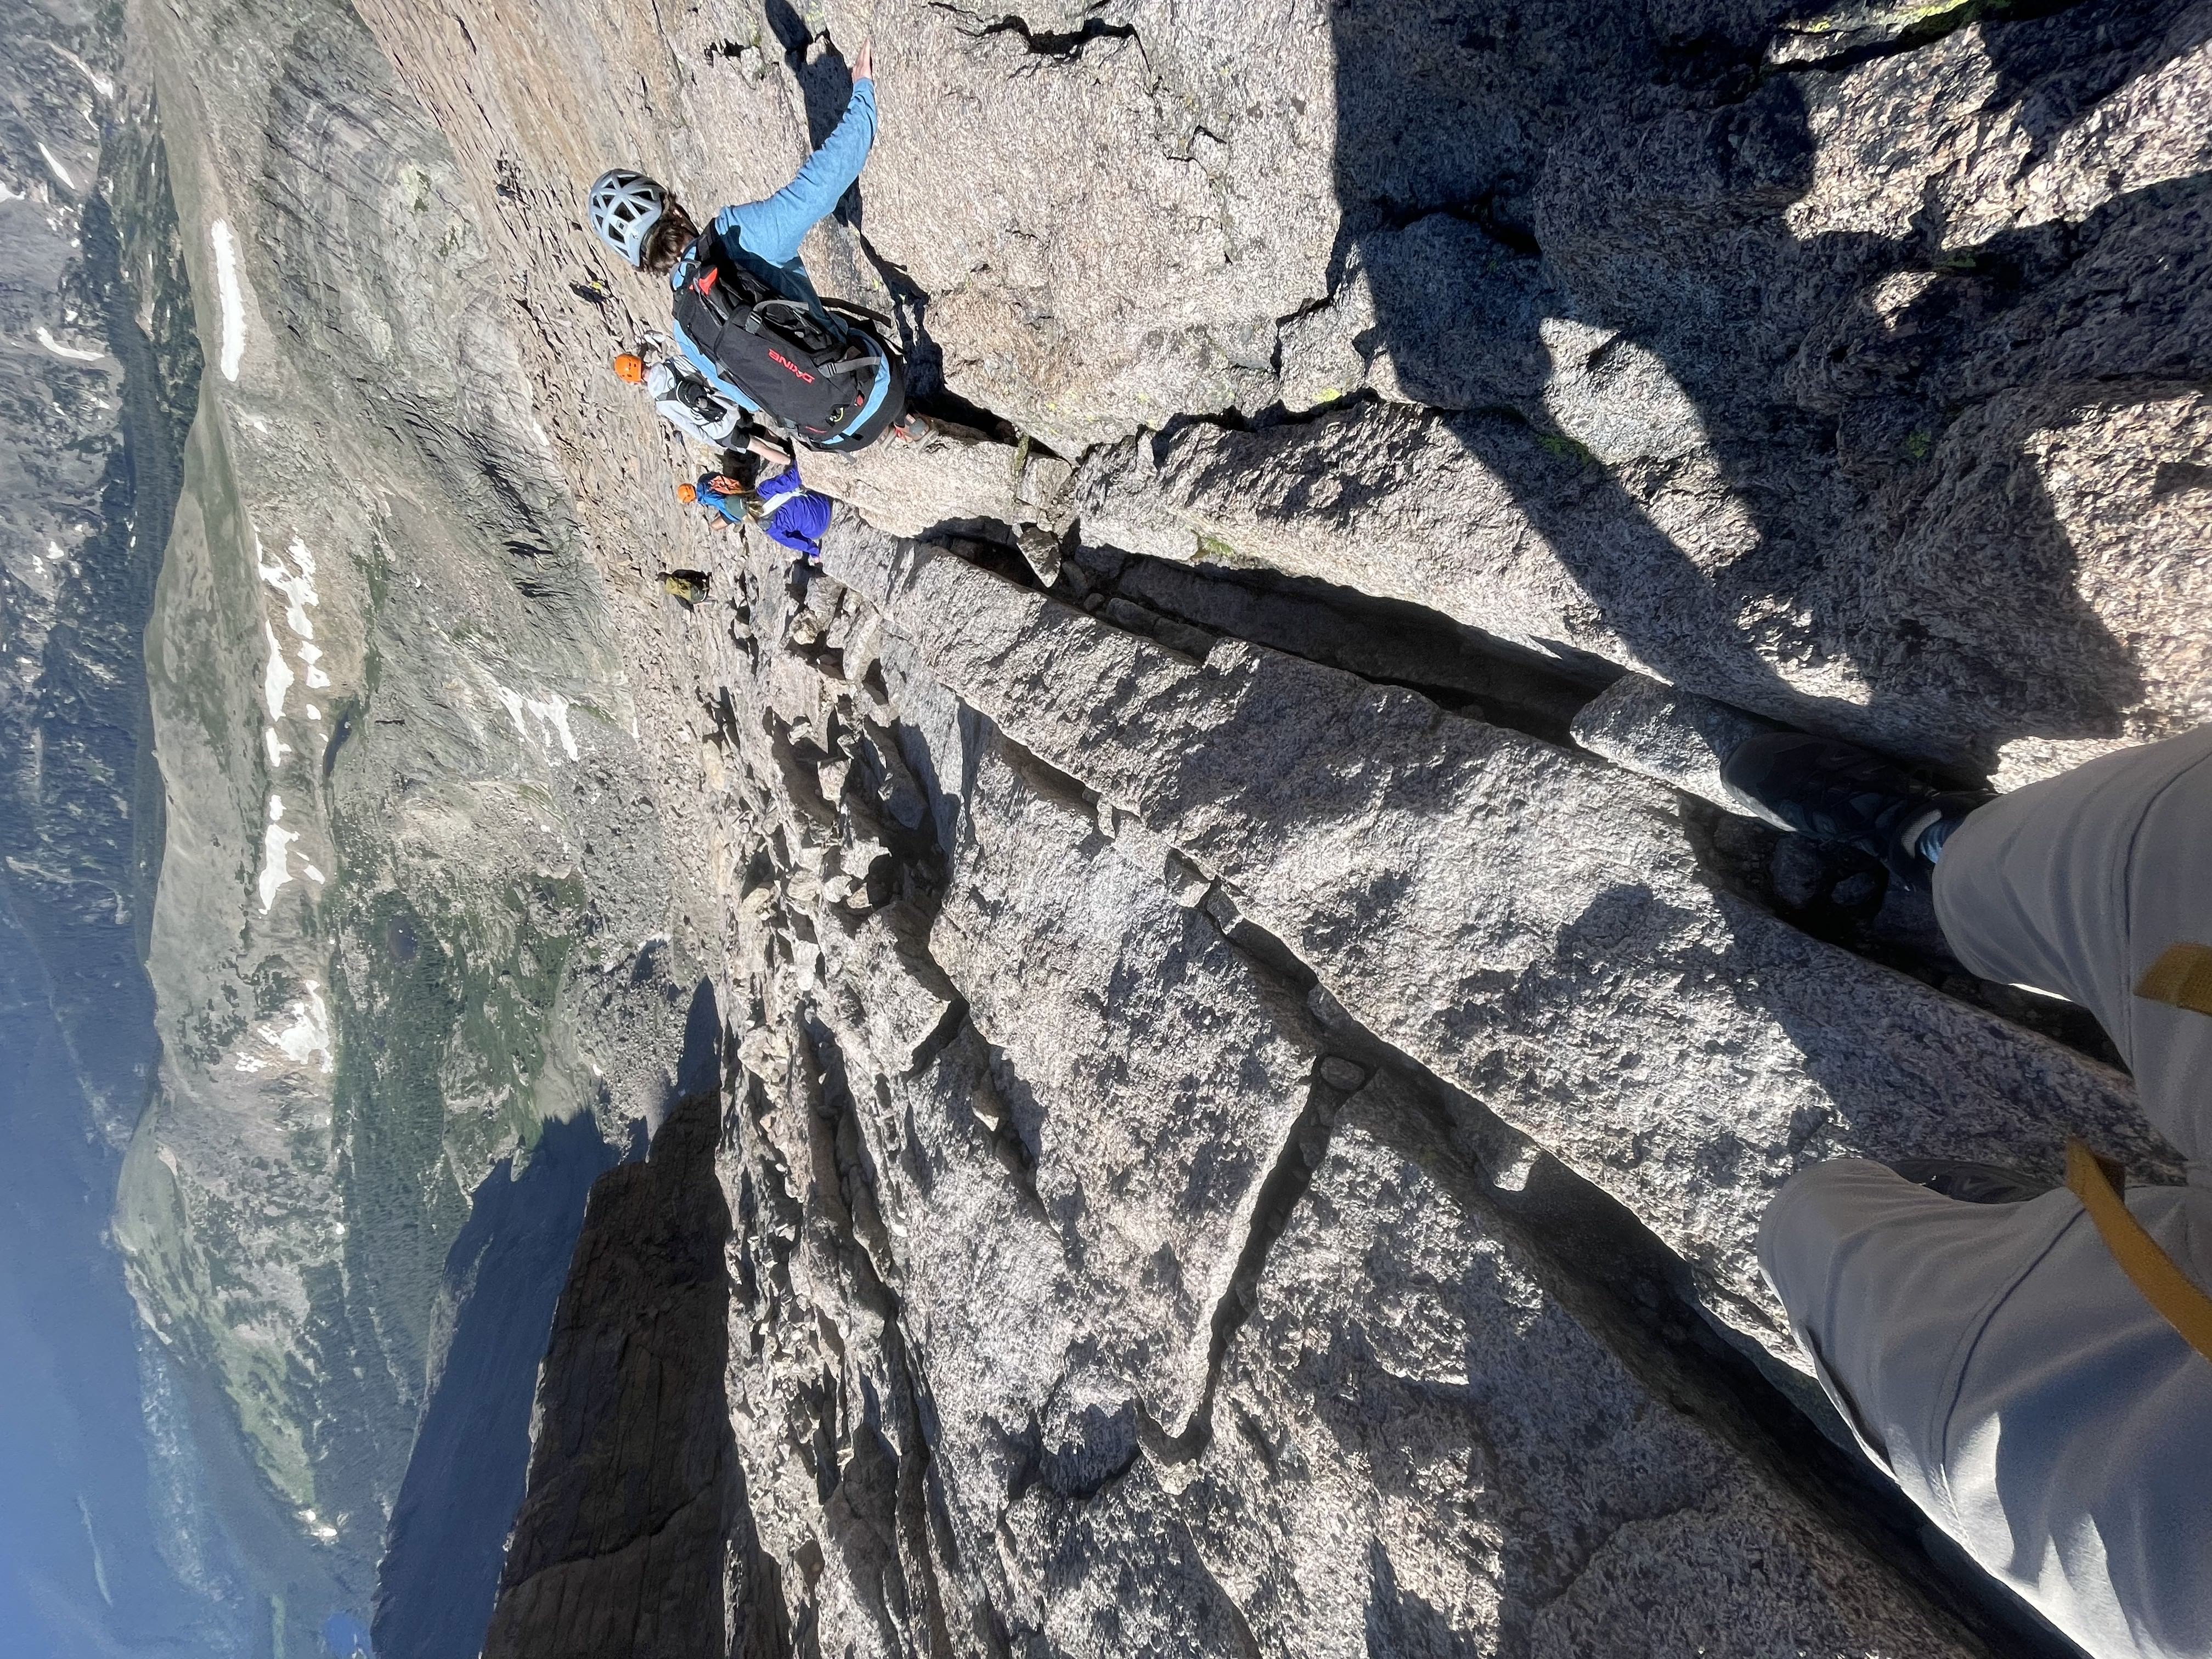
<point x="810" y="376"/>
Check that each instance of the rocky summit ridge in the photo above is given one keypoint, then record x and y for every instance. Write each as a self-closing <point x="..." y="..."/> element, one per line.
<point x="1242" y="1056"/>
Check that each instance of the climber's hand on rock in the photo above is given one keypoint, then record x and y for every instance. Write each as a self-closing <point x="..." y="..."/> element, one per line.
<point x="864" y="63"/>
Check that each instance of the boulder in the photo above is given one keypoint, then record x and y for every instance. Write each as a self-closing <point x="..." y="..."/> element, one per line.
<point x="1529" y="925"/>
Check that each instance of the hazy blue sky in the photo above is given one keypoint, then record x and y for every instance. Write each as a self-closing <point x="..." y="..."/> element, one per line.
<point x="73" y="1464"/>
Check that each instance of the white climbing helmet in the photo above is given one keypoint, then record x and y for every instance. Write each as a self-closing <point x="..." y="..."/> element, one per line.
<point x="625" y="207"/>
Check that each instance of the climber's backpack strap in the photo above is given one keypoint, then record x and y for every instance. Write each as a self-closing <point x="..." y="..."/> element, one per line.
<point x="2096" y="1182"/>
<point x="2180" y="978"/>
<point x="801" y="373"/>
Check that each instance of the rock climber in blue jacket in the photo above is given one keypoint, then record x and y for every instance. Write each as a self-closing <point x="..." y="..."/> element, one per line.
<point x="641" y="220"/>
<point x="793" y="516"/>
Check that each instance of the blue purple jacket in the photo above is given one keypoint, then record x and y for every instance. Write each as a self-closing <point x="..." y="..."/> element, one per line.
<point x="793" y="516"/>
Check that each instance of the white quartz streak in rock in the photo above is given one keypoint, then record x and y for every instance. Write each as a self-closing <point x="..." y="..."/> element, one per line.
<point x="101" y="83"/>
<point x="299" y="590"/>
<point x="551" y="713"/>
<point x="278" y="680"/>
<point x="71" y="353"/>
<point x="57" y="168"/>
<point x="275" y="846"/>
<point x="232" y="300"/>
<point x="309" y="1033"/>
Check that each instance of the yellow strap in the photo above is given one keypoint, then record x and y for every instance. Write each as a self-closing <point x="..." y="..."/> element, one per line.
<point x="2182" y="976"/>
<point x="2094" y="1180"/>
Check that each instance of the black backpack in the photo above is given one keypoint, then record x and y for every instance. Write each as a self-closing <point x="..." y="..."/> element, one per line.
<point x="804" y="374"/>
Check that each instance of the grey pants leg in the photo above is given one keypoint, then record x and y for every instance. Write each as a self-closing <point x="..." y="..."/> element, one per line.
<point x="1993" y="1357"/>
<point x="2078" y="883"/>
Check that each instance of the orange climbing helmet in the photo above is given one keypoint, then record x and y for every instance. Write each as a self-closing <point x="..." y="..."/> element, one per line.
<point x="687" y="494"/>
<point x="630" y="366"/>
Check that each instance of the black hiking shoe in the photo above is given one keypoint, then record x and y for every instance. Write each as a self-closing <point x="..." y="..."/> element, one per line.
<point x="1841" y="792"/>
<point x="1970" y="1184"/>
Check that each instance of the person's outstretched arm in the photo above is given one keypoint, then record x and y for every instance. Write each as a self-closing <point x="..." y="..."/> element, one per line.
<point x="773" y="229"/>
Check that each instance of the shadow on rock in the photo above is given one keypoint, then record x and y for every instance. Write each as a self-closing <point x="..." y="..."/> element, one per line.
<point x="1838" y="513"/>
<point x="824" y="81"/>
<point x="636" y="1498"/>
<point x="465" y="1478"/>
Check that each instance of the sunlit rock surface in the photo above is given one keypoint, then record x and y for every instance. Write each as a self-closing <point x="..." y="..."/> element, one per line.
<point x="1237" y="1134"/>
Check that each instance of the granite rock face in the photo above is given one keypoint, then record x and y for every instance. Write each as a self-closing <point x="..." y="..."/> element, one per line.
<point x="1529" y="925"/>
<point x="1676" y="737"/>
<point x="632" y="1485"/>
<point x="1256" y="1049"/>
<point x="1076" y="1249"/>
<point x="1648" y="338"/>
<point x="1105" y="1278"/>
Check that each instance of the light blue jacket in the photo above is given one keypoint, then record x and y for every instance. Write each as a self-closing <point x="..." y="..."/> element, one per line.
<point x="765" y="235"/>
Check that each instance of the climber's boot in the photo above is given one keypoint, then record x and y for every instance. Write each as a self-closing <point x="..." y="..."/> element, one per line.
<point x="1841" y="792"/>
<point x="1970" y="1182"/>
